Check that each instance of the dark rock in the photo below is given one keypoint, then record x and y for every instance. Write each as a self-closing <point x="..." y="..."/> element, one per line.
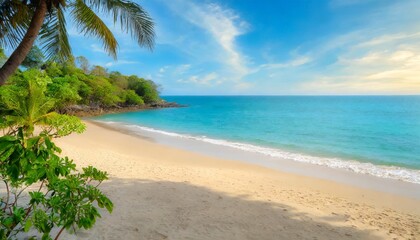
<point x="95" y="110"/>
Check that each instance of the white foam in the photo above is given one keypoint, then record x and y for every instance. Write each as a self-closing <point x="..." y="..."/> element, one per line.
<point x="392" y="172"/>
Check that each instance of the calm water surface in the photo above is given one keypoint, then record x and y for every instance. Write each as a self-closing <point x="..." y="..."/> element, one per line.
<point x="381" y="130"/>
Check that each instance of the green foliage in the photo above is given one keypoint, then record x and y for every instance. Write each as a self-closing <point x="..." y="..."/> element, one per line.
<point x="99" y="71"/>
<point x="53" y="69"/>
<point x="34" y="59"/>
<point x="131" y="98"/>
<point x="60" y="197"/>
<point x="103" y="91"/>
<point x="83" y="64"/>
<point x="147" y="89"/>
<point x="2" y="54"/>
<point x="26" y="102"/>
<point x="119" y="80"/>
<point x="64" y="197"/>
<point x="64" y="91"/>
<point x="15" y="17"/>
<point x="3" y="57"/>
<point x="65" y="85"/>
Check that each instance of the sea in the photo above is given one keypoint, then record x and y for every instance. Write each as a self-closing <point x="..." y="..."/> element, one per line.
<point x="372" y="135"/>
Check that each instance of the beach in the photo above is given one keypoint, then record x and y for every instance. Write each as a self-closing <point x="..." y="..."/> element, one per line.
<point x="161" y="192"/>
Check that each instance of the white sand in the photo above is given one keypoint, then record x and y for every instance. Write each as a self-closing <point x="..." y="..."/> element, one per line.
<point x="165" y="193"/>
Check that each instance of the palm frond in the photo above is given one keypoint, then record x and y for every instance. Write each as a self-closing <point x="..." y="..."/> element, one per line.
<point x="27" y="105"/>
<point x="14" y="21"/>
<point x="90" y="24"/>
<point x="131" y="17"/>
<point x="54" y="38"/>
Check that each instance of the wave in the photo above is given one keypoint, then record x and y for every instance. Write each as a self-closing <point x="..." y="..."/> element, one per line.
<point x="391" y="172"/>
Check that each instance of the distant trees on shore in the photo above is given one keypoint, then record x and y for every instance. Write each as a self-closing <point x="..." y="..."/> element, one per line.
<point x="76" y="82"/>
<point x="23" y="22"/>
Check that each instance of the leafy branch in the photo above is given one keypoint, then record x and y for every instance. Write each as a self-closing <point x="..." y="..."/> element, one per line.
<point x="43" y="191"/>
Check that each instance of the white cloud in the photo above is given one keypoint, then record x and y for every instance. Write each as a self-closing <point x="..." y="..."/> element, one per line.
<point x="385" y="67"/>
<point x="163" y="69"/>
<point x="210" y="79"/>
<point x="223" y="25"/>
<point x="173" y="71"/>
<point x="345" y="3"/>
<point x="298" y="61"/>
<point x="182" y="69"/>
<point x="120" y="62"/>
<point x="241" y="86"/>
<point x="389" y="38"/>
<point x="97" y="48"/>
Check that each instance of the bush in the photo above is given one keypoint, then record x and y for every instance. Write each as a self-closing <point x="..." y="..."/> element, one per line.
<point x="60" y="197"/>
<point x="131" y="98"/>
<point x="147" y="89"/>
<point x="69" y="85"/>
<point x="64" y="90"/>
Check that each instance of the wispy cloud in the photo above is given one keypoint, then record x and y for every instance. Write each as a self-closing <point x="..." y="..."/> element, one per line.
<point x="210" y="79"/>
<point x="298" y="61"/>
<point x="120" y="62"/>
<point x="389" y="38"/>
<point x="97" y="48"/>
<point x="212" y="48"/>
<point x="344" y="3"/>
<point x="381" y="65"/>
<point x="223" y="26"/>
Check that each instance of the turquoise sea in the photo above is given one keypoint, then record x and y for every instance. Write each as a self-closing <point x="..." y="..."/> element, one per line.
<point x="376" y="135"/>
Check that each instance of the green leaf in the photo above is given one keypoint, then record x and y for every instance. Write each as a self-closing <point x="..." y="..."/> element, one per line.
<point x="28" y="225"/>
<point x="36" y="197"/>
<point x="8" y="222"/>
<point x="7" y="151"/>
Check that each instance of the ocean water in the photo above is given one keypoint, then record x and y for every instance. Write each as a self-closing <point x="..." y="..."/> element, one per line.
<point x="375" y="135"/>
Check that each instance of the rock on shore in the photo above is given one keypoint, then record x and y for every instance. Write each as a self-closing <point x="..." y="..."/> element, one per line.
<point x="95" y="110"/>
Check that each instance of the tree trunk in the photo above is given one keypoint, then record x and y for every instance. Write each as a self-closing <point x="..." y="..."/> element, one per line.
<point x="26" y="44"/>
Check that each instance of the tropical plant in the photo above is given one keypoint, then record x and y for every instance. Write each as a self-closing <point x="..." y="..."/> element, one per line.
<point x="34" y="59"/>
<point x="44" y="193"/>
<point x="118" y="79"/>
<point x="145" y="88"/>
<point x="22" y="21"/>
<point x="99" y="71"/>
<point x="3" y="57"/>
<point x="131" y="98"/>
<point x="83" y="64"/>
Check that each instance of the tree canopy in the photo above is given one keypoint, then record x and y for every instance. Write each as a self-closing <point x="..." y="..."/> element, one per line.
<point x="22" y="21"/>
<point x="69" y="85"/>
<point x="43" y="190"/>
<point x="34" y="59"/>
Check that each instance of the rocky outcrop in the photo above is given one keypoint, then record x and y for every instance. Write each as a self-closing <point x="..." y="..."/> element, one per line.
<point x="93" y="110"/>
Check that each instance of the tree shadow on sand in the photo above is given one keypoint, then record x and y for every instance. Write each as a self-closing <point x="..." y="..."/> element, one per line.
<point x="158" y="210"/>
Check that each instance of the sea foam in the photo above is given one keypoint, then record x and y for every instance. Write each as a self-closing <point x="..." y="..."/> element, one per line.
<point x="391" y="172"/>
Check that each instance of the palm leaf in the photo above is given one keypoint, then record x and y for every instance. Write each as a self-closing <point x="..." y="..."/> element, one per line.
<point x="90" y="24"/>
<point x="131" y="17"/>
<point x="14" y="21"/>
<point x="54" y="38"/>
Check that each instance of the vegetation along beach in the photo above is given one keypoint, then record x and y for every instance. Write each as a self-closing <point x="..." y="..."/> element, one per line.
<point x="209" y="119"/>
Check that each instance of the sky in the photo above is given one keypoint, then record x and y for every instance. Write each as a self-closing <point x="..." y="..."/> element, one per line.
<point x="271" y="47"/>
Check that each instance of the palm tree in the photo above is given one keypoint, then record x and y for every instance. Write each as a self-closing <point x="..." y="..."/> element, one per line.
<point x="22" y="21"/>
<point x="25" y="105"/>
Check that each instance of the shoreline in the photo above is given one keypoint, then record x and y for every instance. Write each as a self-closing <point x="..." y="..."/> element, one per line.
<point x="93" y="111"/>
<point x="209" y="148"/>
<point x="165" y="192"/>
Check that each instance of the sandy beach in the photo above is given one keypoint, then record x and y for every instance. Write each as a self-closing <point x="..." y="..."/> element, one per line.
<point x="160" y="192"/>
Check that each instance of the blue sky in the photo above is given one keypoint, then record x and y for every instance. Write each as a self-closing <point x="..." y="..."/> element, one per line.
<point x="278" y="47"/>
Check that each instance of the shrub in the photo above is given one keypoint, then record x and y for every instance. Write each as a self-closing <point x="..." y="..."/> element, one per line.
<point x="131" y="98"/>
<point x="147" y="89"/>
<point x="60" y="197"/>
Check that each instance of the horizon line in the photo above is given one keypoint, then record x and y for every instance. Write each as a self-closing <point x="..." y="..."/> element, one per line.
<point x="290" y="95"/>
